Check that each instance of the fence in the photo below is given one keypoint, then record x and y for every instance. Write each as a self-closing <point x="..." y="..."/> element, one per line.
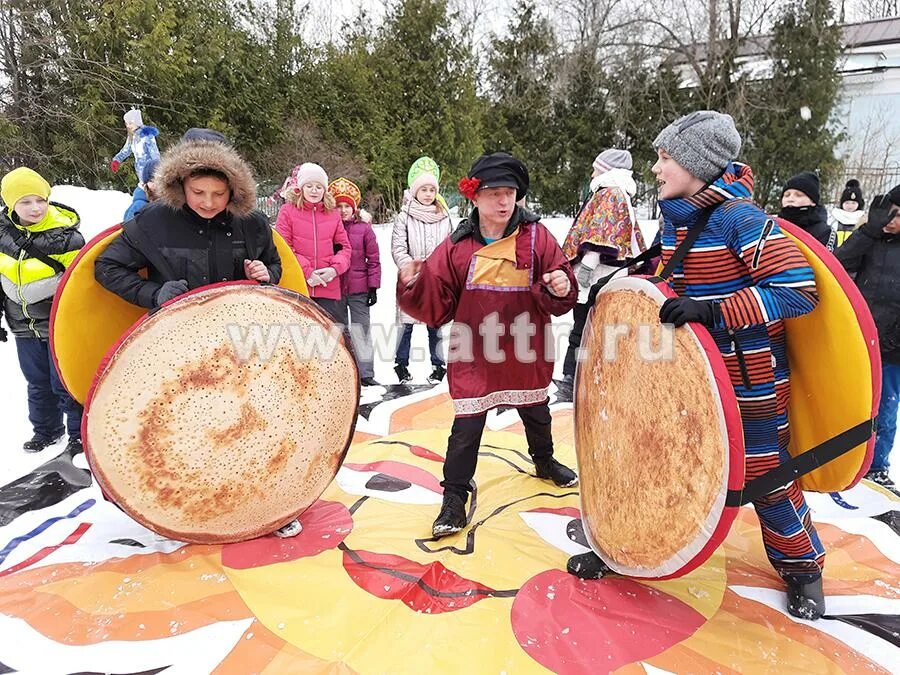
<point x="872" y="181"/>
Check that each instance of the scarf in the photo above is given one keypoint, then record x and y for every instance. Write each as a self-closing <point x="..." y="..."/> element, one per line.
<point x="607" y="220"/>
<point x="804" y="216"/>
<point x="426" y="214"/>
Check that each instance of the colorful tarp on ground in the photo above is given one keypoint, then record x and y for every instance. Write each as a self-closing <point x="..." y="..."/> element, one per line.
<point x="363" y="589"/>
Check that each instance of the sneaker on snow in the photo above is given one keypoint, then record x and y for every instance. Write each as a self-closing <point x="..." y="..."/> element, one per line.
<point x="452" y="517"/>
<point x="587" y="566"/>
<point x="402" y="374"/>
<point x="369" y="382"/>
<point x="292" y="529"/>
<point x="437" y="375"/>
<point x="549" y="469"/>
<point x="73" y="447"/>
<point x="38" y="443"/>
<point x="881" y="477"/>
<point x="805" y="600"/>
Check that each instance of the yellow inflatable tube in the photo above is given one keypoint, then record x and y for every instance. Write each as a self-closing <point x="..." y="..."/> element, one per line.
<point x="835" y="369"/>
<point x="86" y="319"/>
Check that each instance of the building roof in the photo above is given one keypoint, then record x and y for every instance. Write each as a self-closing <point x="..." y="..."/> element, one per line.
<point x="864" y="34"/>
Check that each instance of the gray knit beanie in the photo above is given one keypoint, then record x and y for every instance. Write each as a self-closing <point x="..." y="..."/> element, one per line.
<point x="612" y="159"/>
<point x="703" y="142"/>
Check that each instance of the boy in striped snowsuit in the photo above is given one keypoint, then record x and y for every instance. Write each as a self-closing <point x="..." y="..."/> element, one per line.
<point x="741" y="279"/>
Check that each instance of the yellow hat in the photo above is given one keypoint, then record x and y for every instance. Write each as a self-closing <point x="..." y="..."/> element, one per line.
<point x="20" y="183"/>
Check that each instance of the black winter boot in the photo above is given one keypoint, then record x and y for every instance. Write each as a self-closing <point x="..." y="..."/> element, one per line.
<point x="805" y="600"/>
<point x="38" y="443"/>
<point x="587" y="566"/>
<point x="73" y="447"/>
<point x="437" y="375"/>
<point x="881" y="477"/>
<point x="549" y="469"/>
<point x="452" y="517"/>
<point x="402" y="373"/>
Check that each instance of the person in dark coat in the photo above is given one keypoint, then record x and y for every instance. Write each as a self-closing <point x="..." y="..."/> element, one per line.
<point x="203" y="229"/>
<point x="38" y="240"/>
<point x="872" y="254"/>
<point x="800" y="206"/>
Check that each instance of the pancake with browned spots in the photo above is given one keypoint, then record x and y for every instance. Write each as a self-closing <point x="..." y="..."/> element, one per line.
<point x="204" y="438"/>
<point x="652" y="440"/>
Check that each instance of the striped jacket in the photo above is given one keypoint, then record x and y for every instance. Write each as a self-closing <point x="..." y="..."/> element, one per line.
<point x="759" y="277"/>
<point x="28" y="285"/>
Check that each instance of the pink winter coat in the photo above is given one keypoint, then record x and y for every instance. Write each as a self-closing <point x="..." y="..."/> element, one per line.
<point x="318" y="239"/>
<point x="365" y="263"/>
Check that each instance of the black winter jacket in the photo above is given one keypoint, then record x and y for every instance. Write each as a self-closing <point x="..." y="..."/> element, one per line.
<point x="27" y="285"/>
<point x="198" y="250"/>
<point x="813" y="219"/>
<point x="876" y="264"/>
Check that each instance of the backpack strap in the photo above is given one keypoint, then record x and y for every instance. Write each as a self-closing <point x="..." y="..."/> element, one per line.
<point x="802" y="464"/>
<point x="26" y="243"/>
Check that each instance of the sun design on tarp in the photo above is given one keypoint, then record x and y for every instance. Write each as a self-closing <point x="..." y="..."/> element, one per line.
<point x="364" y="588"/>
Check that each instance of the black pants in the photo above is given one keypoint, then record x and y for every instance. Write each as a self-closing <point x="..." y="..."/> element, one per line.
<point x="465" y="439"/>
<point x="580" y="312"/>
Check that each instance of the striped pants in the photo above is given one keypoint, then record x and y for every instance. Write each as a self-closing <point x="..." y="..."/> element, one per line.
<point x="791" y="541"/>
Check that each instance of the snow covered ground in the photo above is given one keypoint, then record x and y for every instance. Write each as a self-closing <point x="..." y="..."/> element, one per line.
<point x="102" y="209"/>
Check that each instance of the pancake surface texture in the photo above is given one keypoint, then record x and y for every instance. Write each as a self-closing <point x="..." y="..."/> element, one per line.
<point x="202" y="438"/>
<point x="652" y="439"/>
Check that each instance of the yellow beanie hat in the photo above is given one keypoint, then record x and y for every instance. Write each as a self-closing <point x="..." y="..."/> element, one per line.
<point x="22" y="182"/>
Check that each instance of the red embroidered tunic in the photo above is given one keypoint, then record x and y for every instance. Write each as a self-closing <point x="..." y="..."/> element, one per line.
<point x="493" y="293"/>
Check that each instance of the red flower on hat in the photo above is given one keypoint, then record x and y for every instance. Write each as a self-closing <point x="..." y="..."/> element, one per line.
<point x="468" y="186"/>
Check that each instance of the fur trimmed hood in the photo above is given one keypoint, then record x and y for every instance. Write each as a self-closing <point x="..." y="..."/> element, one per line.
<point x="183" y="159"/>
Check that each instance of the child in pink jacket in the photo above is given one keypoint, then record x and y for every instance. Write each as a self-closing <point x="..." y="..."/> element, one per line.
<point x="312" y="227"/>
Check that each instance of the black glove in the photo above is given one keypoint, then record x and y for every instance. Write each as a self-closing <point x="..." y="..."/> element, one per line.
<point x="682" y="310"/>
<point x="373" y="297"/>
<point x="880" y="214"/>
<point x="169" y="290"/>
<point x="3" y="335"/>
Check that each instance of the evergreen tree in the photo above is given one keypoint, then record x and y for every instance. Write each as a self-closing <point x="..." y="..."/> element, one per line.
<point x="779" y="140"/>
<point x="584" y="127"/>
<point x="520" y="116"/>
<point x="424" y="81"/>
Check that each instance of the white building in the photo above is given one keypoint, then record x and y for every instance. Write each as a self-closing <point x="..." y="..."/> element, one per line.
<point x="869" y="109"/>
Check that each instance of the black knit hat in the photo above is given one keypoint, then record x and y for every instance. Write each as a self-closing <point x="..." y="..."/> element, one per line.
<point x="500" y="169"/>
<point x="894" y="195"/>
<point x="853" y="193"/>
<point x="807" y="182"/>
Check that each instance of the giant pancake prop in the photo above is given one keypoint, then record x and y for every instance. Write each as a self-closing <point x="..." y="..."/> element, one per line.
<point x="659" y="439"/>
<point x="224" y="415"/>
<point x="86" y="319"/>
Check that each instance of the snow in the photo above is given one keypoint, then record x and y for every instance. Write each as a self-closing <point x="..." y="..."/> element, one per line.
<point x="100" y="210"/>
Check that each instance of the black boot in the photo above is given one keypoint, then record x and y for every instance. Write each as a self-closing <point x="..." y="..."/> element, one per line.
<point x="402" y="374"/>
<point x="437" y="375"/>
<point x="369" y="382"/>
<point x="805" y="600"/>
<point x="587" y="566"/>
<point x="565" y="388"/>
<point x="38" y="443"/>
<point x="881" y="477"/>
<point x="452" y="517"/>
<point x="73" y="447"/>
<point x="549" y="469"/>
